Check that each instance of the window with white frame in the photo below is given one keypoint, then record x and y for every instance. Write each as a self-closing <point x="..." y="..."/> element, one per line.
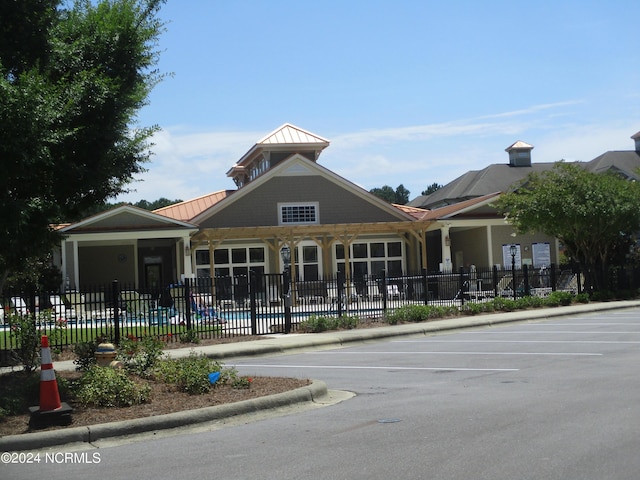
<point x="298" y="213"/>
<point x="231" y="261"/>
<point x="307" y="261"/>
<point x="371" y="257"/>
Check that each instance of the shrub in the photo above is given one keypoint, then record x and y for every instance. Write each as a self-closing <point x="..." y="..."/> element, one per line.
<point x="582" y="298"/>
<point x="242" y="382"/>
<point x="559" y="298"/>
<point x="18" y="391"/>
<point x="190" y="336"/>
<point x="140" y="356"/>
<point x="504" y="304"/>
<point x="110" y="387"/>
<point x="23" y="332"/>
<point x="317" y="324"/>
<point x="529" y="302"/>
<point x="348" y="322"/>
<point x="420" y="313"/>
<point x="474" y="308"/>
<point x="85" y="353"/>
<point x="190" y="374"/>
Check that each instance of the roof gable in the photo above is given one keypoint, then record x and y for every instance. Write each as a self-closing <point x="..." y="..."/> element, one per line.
<point x="125" y="217"/>
<point x="299" y="166"/>
<point x="462" y="208"/>
<point x="476" y="183"/>
<point x="624" y="162"/>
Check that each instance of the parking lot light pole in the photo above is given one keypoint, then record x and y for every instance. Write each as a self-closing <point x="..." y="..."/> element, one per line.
<point x="285" y="253"/>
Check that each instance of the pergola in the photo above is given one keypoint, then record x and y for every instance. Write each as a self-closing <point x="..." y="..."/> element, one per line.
<point x="324" y="235"/>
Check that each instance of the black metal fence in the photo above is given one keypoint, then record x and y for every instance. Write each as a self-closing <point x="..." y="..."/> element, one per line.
<point x="257" y="304"/>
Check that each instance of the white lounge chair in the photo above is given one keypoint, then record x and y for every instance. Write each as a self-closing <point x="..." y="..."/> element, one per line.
<point x="373" y="291"/>
<point x="393" y="292"/>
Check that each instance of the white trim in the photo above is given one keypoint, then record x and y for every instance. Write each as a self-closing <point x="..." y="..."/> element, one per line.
<point x="316" y="212"/>
<point x="314" y="169"/>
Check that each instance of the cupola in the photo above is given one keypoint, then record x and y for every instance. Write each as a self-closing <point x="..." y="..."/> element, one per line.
<point x="519" y="154"/>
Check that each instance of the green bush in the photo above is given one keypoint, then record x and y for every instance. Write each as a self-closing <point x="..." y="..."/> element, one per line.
<point x="190" y="336"/>
<point x="318" y="323"/>
<point x="529" y="301"/>
<point x="476" y="308"/>
<point x="27" y="339"/>
<point x="140" y="356"/>
<point x="555" y="299"/>
<point x="109" y="387"/>
<point x="85" y="353"/>
<point x="190" y="374"/>
<point x="503" y="304"/>
<point x="420" y="313"/>
<point x="18" y="391"/>
<point x="582" y="298"/>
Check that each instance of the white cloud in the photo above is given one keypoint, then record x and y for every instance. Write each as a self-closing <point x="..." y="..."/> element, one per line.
<point x="188" y="163"/>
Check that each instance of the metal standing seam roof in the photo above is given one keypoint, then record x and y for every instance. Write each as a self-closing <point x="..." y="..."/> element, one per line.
<point x="449" y="210"/>
<point x="289" y="134"/>
<point x="185" y="211"/>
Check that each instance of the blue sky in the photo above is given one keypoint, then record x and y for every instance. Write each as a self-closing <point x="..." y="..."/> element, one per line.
<point x="408" y="92"/>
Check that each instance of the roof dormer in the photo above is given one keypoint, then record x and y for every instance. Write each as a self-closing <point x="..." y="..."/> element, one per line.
<point x="519" y="154"/>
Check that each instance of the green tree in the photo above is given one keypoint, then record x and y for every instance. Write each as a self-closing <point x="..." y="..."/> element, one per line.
<point x="156" y="204"/>
<point x="594" y="215"/>
<point x="71" y="83"/>
<point x="386" y="193"/>
<point x="432" y="188"/>
<point x="400" y="195"/>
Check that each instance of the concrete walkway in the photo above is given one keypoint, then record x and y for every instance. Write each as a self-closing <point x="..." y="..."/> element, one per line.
<point x="273" y="345"/>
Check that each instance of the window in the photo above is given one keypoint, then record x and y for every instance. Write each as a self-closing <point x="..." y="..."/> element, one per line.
<point x="302" y="213"/>
<point x="231" y="261"/>
<point x="371" y="258"/>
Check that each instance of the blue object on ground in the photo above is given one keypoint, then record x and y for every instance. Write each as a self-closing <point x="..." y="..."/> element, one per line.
<point x="213" y="377"/>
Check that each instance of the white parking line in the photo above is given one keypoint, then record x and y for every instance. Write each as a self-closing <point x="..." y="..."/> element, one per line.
<point x="569" y="354"/>
<point x="588" y="324"/>
<point x="589" y="342"/>
<point x="388" y="367"/>
<point x="566" y="332"/>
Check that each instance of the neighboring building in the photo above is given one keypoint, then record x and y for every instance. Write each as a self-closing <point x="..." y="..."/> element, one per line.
<point x="501" y="177"/>
<point x="472" y="232"/>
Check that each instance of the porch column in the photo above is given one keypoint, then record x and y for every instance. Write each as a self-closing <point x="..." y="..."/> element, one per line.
<point x="489" y="246"/>
<point x="447" y="264"/>
<point x="187" y="257"/>
<point x="76" y="267"/>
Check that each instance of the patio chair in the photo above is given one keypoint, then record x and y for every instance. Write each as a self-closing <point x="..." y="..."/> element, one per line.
<point x="393" y="292"/>
<point x="373" y="290"/>
<point x="77" y="303"/>
<point x="19" y="306"/>
<point x="60" y="310"/>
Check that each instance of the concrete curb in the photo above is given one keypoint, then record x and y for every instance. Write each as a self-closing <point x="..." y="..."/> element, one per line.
<point x="92" y="433"/>
<point x="279" y="344"/>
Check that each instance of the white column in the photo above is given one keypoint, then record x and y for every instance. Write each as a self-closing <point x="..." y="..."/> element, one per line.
<point x="489" y="246"/>
<point x="187" y="257"/>
<point x="76" y="267"/>
<point x="447" y="263"/>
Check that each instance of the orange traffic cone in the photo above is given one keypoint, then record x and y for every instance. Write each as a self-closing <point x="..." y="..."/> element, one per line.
<point x="49" y="395"/>
<point x="51" y="410"/>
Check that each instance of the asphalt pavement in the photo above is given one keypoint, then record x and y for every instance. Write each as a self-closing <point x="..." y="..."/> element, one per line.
<point x="275" y="345"/>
